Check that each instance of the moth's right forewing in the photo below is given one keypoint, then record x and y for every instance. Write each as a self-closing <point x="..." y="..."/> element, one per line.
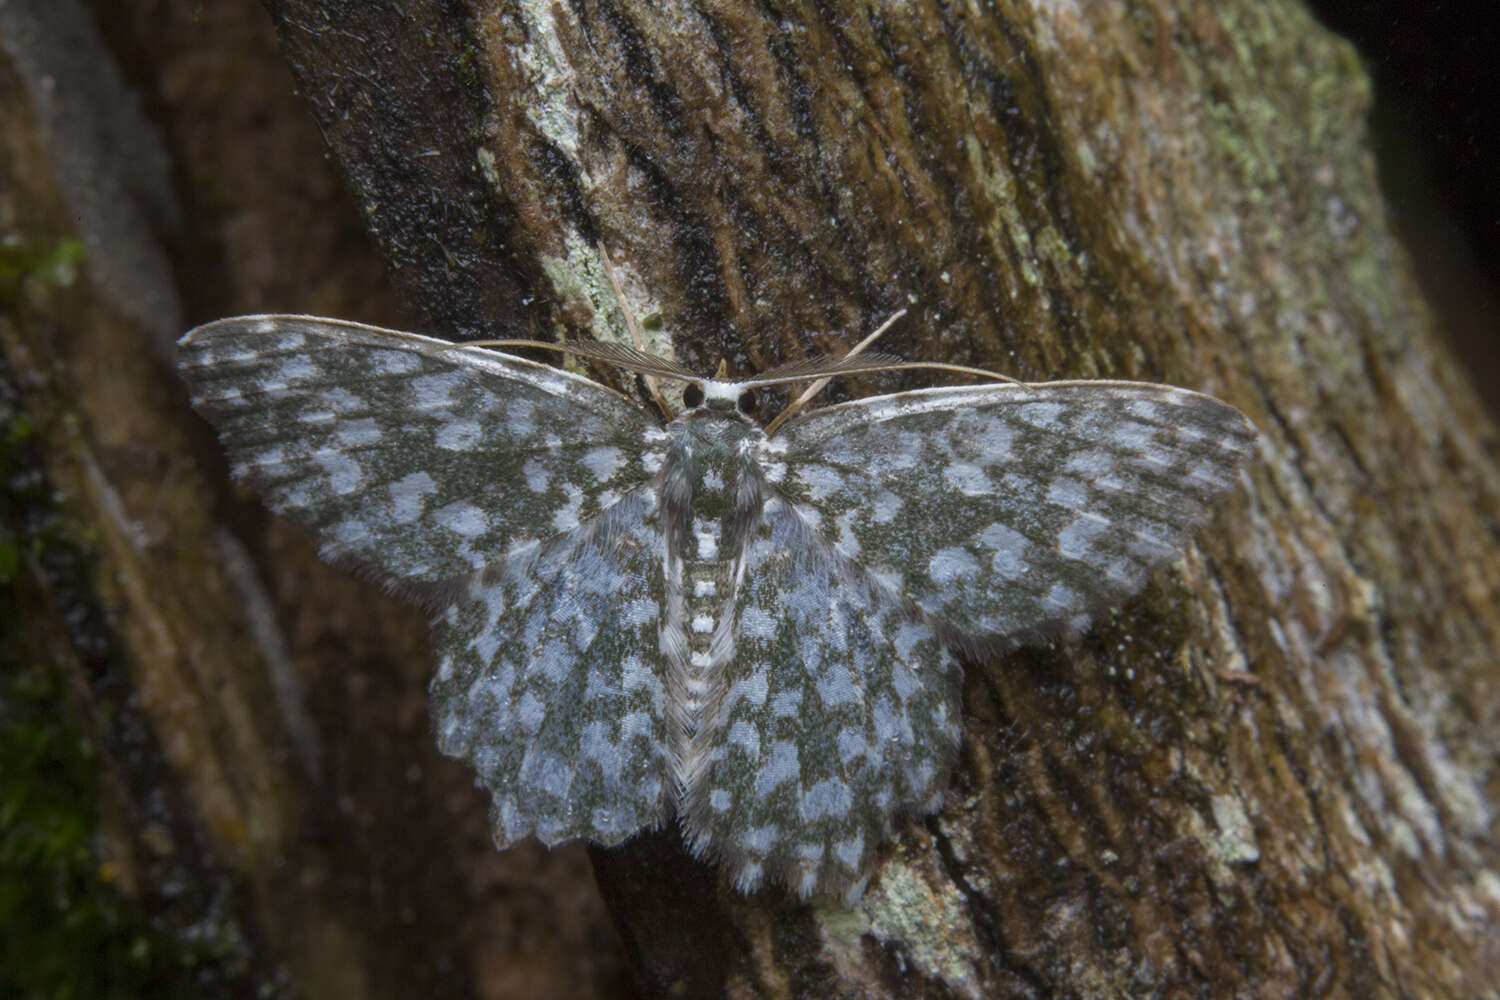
<point x="421" y="460"/>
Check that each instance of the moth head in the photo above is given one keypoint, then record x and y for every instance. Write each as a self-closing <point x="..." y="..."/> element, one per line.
<point x="721" y="396"/>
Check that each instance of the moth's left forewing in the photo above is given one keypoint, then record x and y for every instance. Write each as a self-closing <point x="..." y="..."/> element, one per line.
<point x="527" y="492"/>
<point x="1011" y="509"/>
<point x="411" y="455"/>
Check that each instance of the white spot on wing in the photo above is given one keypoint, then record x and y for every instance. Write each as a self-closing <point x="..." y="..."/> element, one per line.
<point x="829" y="797"/>
<point x="435" y="391"/>
<point x="357" y="433"/>
<point x="296" y="369"/>
<point x="1043" y="415"/>
<point x="538" y="476"/>
<point x="847" y="542"/>
<point x="1089" y="465"/>
<point x="566" y="517"/>
<point x="604" y="462"/>
<point x="744" y="736"/>
<point x="1129" y="435"/>
<point x="850" y="852"/>
<point x="462" y="518"/>
<point x="756" y="624"/>
<point x="394" y="362"/>
<point x="819" y="480"/>
<point x="836" y="687"/>
<point x="1068" y="493"/>
<point x="970" y="480"/>
<point x="779" y="769"/>
<point x="886" y="506"/>
<point x="852" y="745"/>
<point x="459" y="435"/>
<point x="951" y="564"/>
<point x="409" y="496"/>
<point x="343" y="472"/>
<point x="1061" y="598"/>
<point x="1076" y="540"/>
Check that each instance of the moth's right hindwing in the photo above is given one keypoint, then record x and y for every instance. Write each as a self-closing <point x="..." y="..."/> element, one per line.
<point x="423" y="462"/>
<point x="841" y="713"/>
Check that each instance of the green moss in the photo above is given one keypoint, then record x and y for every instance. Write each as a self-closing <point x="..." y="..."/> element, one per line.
<point x="54" y="262"/>
<point x="65" y="931"/>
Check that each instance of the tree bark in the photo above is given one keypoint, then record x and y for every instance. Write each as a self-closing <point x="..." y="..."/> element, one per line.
<point x="1272" y="773"/>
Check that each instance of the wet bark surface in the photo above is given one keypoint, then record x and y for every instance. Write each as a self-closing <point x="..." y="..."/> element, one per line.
<point x="1272" y="773"/>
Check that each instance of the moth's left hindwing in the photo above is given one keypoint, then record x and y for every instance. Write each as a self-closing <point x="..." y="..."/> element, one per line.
<point x="1005" y="510"/>
<point x="422" y="460"/>
<point x="549" y="682"/>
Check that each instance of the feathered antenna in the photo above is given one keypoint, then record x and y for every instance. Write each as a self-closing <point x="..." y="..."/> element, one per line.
<point x="620" y="355"/>
<point x="773" y="376"/>
<point x="822" y="370"/>
<point x="635" y="332"/>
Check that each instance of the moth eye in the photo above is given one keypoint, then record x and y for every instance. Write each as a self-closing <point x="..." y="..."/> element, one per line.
<point x="749" y="402"/>
<point x="692" y="396"/>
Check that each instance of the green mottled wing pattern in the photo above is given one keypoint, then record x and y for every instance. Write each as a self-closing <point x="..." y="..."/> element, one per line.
<point x="423" y="461"/>
<point x="549" y="682"/>
<point x="1006" y="510"/>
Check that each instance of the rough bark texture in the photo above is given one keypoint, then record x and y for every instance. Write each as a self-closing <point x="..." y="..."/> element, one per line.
<point x="1274" y="773"/>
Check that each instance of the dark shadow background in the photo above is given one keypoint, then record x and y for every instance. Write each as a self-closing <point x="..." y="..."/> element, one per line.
<point x="1436" y="125"/>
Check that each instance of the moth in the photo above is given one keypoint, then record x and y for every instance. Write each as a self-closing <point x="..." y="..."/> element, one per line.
<point x="753" y="633"/>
